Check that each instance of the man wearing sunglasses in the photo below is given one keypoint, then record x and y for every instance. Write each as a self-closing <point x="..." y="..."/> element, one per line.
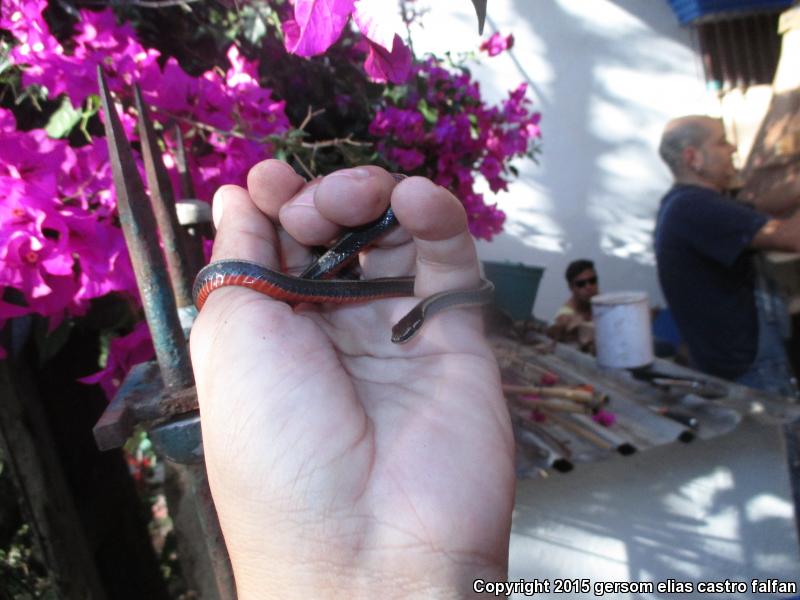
<point x="706" y="247"/>
<point x="573" y="321"/>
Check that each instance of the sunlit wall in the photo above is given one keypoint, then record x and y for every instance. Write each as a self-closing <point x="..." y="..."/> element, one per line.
<point x="607" y="75"/>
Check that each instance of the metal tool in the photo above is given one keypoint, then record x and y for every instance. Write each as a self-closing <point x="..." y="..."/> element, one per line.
<point x="160" y="396"/>
<point x="165" y="389"/>
<point x="683" y="385"/>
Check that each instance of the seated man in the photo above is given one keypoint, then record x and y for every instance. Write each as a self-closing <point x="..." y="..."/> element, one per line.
<point x="573" y="321"/>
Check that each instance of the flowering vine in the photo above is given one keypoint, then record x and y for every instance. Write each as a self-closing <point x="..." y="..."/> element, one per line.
<point x="440" y="128"/>
<point x="366" y="100"/>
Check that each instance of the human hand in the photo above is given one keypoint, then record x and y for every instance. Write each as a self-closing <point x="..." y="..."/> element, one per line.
<point x="342" y="464"/>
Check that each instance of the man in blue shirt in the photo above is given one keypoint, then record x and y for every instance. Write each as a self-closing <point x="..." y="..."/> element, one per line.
<point x="705" y="244"/>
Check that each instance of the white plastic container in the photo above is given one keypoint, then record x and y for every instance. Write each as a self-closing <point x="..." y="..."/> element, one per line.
<point x="623" y="333"/>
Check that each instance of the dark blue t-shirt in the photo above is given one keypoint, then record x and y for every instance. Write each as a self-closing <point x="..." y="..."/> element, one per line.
<point x="707" y="275"/>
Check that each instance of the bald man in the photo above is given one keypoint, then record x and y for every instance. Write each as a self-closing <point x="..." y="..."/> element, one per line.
<point x="705" y="243"/>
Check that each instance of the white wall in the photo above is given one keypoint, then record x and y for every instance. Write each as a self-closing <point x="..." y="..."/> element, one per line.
<point x="606" y="75"/>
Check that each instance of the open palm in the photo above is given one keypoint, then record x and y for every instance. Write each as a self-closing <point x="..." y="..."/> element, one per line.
<point x="340" y="463"/>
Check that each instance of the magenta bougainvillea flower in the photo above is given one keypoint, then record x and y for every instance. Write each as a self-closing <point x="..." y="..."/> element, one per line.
<point x="60" y="244"/>
<point x="446" y="132"/>
<point x="391" y="65"/>
<point x="497" y="43"/>
<point x="124" y="352"/>
<point x="317" y="24"/>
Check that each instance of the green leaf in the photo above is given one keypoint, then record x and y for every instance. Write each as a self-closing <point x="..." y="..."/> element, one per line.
<point x="395" y="93"/>
<point x="5" y="64"/>
<point x="253" y="24"/>
<point x="63" y="120"/>
<point x="431" y="115"/>
<point x="50" y="344"/>
<point x="92" y="106"/>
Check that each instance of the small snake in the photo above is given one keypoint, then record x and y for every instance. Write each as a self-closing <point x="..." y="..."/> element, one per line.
<point x="314" y="286"/>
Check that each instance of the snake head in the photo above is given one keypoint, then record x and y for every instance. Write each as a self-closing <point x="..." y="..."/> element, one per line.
<point x="407" y="327"/>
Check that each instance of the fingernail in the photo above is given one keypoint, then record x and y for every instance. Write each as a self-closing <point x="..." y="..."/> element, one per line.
<point x="356" y="173"/>
<point x="217" y="205"/>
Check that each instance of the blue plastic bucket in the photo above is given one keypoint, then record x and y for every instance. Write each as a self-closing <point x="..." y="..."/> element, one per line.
<point x="515" y="286"/>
